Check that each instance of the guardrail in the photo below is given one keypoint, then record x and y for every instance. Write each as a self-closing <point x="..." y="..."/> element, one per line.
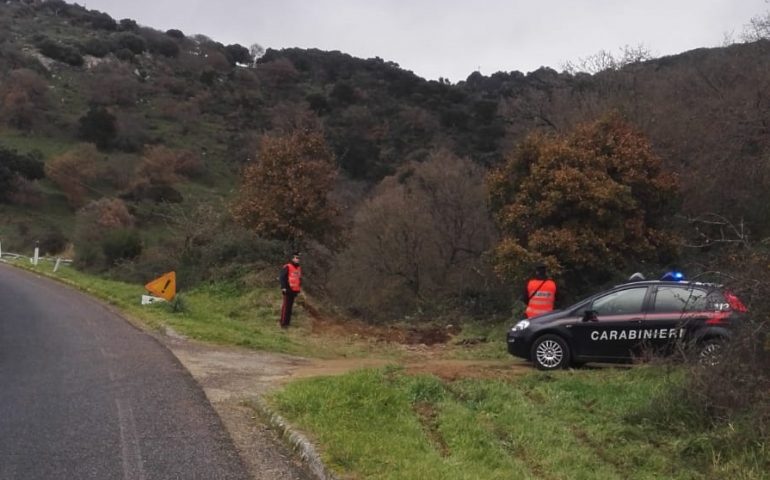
<point x="35" y="260"/>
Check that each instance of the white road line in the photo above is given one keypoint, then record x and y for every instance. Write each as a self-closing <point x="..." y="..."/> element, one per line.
<point x="129" y="442"/>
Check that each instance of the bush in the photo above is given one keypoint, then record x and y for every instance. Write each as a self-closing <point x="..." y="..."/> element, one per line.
<point x="125" y="55"/>
<point x="102" y="21"/>
<point x="134" y="43"/>
<point x="14" y="166"/>
<point x="121" y="245"/>
<point x="52" y="242"/>
<point x="62" y="53"/>
<point x="98" y="126"/>
<point x="94" y="223"/>
<point x="164" y="46"/>
<point x="96" y="47"/>
<point x="238" y="54"/>
<point x="174" y="33"/>
<point x="128" y="25"/>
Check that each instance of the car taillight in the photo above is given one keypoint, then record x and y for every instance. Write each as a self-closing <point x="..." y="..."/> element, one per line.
<point x="735" y="303"/>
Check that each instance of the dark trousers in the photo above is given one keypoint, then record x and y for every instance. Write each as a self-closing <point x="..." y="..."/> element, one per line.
<point x="288" y="303"/>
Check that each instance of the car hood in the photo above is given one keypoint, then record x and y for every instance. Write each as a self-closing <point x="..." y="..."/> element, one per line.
<point x="547" y="318"/>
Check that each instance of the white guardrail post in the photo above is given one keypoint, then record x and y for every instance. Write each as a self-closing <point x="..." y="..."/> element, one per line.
<point x="35" y="259"/>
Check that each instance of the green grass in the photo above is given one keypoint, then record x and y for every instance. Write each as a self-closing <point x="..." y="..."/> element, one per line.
<point x="383" y="424"/>
<point x="26" y="142"/>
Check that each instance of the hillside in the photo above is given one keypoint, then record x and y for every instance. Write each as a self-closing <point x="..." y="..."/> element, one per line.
<point x="174" y="118"/>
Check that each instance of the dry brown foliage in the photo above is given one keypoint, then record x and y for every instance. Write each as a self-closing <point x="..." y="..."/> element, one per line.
<point x="284" y="194"/>
<point x="74" y="171"/>
<point x="586" y="203"/>
<point x="161" y="165"/>
<point x="24" y="98"/>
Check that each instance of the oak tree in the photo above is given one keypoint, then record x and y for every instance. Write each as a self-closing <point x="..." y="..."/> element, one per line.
<point x="589" y="204"/>
<point x="284" y="194"/>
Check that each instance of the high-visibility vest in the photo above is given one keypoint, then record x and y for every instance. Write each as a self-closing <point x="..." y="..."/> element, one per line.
<point x="542" y="294"/>
<point x="295" y="276"/>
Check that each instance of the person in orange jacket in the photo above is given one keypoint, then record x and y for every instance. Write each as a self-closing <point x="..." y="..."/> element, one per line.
<point x="539" y="293"/>
<point x="291" y="285"/>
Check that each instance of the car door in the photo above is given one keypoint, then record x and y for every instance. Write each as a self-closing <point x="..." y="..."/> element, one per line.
<point x="612" y="332"/>
<point x="669" y="318"/>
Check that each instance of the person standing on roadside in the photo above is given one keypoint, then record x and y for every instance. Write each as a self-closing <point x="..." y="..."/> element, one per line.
<point x="539" y="293"/>
<point x="291" y="285"/>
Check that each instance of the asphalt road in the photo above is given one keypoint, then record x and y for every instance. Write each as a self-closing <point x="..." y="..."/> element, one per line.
<point x="84" y="395"/>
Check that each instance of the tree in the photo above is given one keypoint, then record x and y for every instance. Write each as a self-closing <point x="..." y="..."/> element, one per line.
<point x="94" y="236"/>
<point x="99" y="126"/>
<point x="589" y="204"/>
<point x="24" y="98"/>
<point x="284" y="194"/>
<point x="238" y="54"/>
<point x="758" y="28"/>
<point x="606" y="60"/>
<point x="13" y="168"/>
<point x="418" y="241"/>
<point x="73" y="170"/>
<point x="256" y="51"/>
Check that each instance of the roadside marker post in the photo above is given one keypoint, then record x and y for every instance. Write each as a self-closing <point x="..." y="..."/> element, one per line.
<point x="56" y="266"/>
<point x="36" y="257"/>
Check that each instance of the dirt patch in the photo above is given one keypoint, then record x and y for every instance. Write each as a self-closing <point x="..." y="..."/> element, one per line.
<point x="405" y="335"/>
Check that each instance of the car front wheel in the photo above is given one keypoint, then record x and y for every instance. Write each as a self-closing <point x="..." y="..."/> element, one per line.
<point x="550" y="352"/>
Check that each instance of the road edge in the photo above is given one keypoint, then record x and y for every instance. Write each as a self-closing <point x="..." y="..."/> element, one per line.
<point x="298" y="442"/>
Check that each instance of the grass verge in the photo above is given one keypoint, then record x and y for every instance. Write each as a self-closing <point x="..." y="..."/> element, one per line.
<point x="384" y="424"/>
<point x="219" y="313"/>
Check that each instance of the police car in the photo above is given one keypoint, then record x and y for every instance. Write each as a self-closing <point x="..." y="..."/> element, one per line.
<point x="628" y="320"/>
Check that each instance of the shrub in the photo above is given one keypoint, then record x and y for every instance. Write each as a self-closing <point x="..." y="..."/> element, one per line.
<point x="238" y="53"/>
<point x="164" y="46"/>
<point x="174" y="33"/>
<point x="102" y="21"/>
<point x="121" y="245"/>
<point x="124" y="54"/>
<point x="52" y="242"/>
<point x="128" y="25"/>
<point x="134" y="43"/>
<point x="15" y="167"/>
<point x="72" y="172"/>
<point x="93" y="223"/>
<point x="23" y="99"/>
<point x="98" y="126"/>
<point x="62" y="53"/>
<point x="96" y="47"/>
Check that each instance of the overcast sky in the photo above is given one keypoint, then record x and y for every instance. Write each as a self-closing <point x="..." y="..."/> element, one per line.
<point x="452" y="38"/>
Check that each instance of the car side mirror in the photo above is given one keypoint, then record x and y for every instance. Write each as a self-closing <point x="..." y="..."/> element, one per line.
<point x="589" y="316"/>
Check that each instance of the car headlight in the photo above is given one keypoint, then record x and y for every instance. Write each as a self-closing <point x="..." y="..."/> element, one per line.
<point x="520" y="326"/>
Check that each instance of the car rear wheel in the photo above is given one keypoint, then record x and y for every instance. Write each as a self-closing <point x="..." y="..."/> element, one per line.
<point x="710" y="351"/>
<point x="550" y="352"/>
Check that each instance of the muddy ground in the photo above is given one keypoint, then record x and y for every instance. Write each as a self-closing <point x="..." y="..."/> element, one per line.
<point x="232" y="376"/>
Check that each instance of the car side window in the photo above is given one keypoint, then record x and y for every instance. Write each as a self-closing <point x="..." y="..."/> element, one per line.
<point x="673" y="299"/>
<point x="622" y="302"/>
<point x="682" y="299"/>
